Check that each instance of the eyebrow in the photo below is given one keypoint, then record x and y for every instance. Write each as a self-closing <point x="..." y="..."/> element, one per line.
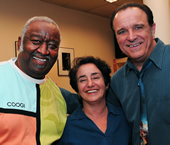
<point x="95" y="73"/>
<point x="139" y="25"/>
<point x="81" y="77"/>
<point x="91" y="74"/>
<point x="39" y="36"/>
<point x="120" y="30"/>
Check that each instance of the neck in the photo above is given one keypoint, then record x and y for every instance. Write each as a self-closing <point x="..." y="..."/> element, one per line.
<point x="140" y="61"/>
<point x="138" y="65"/>
<point x="98" y="114"/>
<point x="95" y="110"/>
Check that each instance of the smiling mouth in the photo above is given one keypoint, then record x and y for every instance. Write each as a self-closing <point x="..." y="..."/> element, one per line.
<point x="134" y="45"/>
<point x="92" y="91"/>
<point x="40" y="59"/>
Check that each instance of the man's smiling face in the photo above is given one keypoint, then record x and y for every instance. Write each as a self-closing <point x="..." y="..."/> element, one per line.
<point x="134" y="35"/>
<point x="40" y="49"/>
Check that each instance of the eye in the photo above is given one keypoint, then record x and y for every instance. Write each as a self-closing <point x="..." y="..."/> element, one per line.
<point x="52" y="46"/>
<point x="82" y="80"/>
<point x="96" y="77"/>
<point x="121" y="32"/>
<point x="36" y="42"/>
<point x="138" y="28"/>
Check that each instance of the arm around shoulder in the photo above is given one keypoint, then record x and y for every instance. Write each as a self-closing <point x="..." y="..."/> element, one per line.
<point x="72" y="100"/>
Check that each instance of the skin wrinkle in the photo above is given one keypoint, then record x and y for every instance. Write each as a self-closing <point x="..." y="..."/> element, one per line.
<point x="131" y="27"/>
<point x="40" y="49"/>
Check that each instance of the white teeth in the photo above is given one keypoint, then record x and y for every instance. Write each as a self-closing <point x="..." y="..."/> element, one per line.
<point x="134" y="45"/>
<point x="39" y="59"/>
<point x="92" y="91"/>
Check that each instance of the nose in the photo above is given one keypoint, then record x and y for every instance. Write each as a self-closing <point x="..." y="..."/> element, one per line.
<point x="43" y="49"/>
<point x="90" y="83"/>
<point x="131" y="36"/>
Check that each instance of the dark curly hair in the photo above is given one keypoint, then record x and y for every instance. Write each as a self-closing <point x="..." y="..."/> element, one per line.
<point x="143" y="7"/>
<point x="100" y="64"/>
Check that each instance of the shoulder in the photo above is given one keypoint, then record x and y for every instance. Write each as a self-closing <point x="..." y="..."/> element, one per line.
<point x="73" y="123"/>
<point x="5" y="68"/>
<point x="4" y="63"/>
<point x="119" y="73"/>
<point x="117" y="110"/>
<point x="77" y="114"/>
<point x="118" y="78"/>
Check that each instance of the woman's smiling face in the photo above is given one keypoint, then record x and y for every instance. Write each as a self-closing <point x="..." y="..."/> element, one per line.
<point x="90" y="81"/>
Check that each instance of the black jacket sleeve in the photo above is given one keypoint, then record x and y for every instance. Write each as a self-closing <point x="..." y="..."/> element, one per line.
<point x="72" y="100"/>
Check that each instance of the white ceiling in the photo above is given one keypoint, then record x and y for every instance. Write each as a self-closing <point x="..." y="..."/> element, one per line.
<point x="96" y="7"/>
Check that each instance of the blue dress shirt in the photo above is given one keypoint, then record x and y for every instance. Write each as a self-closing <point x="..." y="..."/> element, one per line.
<point x="80" y="130"/>
<point x="124" y="91"/>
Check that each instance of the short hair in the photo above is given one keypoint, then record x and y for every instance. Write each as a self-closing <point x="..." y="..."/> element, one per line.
<point x="79" y="61"/>
<point x="33" y="19"/>
<point x="143" y="7"/>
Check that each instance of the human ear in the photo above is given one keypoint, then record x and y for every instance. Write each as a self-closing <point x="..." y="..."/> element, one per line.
<point x="19" y="43"/>
<point x="153" y="28"/>
<point x="107" y="87"/>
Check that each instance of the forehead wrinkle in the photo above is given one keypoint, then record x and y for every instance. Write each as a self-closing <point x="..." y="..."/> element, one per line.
<point x="44" y="35"/>
<point x="128" y="16"/>
<point x="44" y="31"/>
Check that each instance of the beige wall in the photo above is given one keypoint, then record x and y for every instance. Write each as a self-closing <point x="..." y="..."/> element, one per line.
<point x="161" y="18"/>
<point x="87" y="34"/>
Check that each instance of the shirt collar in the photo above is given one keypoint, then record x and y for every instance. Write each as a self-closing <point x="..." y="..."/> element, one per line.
<point x="156" y="57"/>
<point x="157" y="54"/>
<point x="37" y="81"/>
<point x="79" y="114"/>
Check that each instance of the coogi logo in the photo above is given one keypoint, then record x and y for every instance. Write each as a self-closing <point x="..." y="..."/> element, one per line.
<point x="17" y="104"/>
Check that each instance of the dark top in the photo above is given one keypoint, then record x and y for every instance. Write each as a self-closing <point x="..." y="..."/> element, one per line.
<point x="125" y="92"/>
<point x="80" y="130"/>
<point x="73" y="101"/>
<point x="125" y="89"/>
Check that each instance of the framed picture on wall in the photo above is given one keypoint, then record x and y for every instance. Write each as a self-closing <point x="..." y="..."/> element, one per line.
<point x="16" y="49"/>
<point x="65" y="58"/>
